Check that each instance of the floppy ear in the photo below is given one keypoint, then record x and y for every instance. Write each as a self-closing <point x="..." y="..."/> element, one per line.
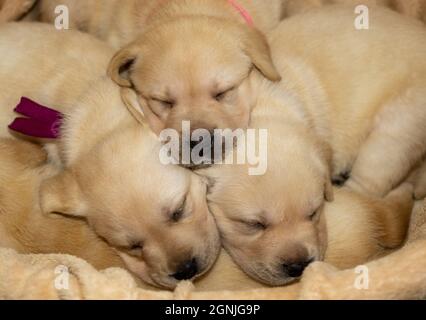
<point x="140" y="110"/>
<point x="121" y="63"/>
<point x="257" y="48"/>
<point x="61" y="195"/>
<point x="329" y="192"/>
<point x="133" y="104"/>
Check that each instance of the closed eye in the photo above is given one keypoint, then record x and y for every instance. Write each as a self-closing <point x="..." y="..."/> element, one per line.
<point x="314" y="214"/>
<point x="255" y="225"/>
<point x="169" y="104"/>
<point x="177" y="215"/>
<point x="135" y="248"/>
<point x="222" y="94"/>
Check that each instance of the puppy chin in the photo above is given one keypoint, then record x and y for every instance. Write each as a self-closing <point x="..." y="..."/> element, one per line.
<point x="209" y="260"/>
<point x="273" y="280"/>
<point x="261" y="273"/>
<point x="140" y="269"/>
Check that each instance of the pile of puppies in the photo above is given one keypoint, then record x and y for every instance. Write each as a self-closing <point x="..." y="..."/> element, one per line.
<point x="336" y="105"/>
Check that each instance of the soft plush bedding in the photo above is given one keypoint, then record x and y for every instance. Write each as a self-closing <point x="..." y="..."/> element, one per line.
<point x="400" y="275"/>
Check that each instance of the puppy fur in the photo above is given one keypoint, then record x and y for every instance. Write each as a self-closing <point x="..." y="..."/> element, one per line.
<point x="133" y="17"/>
<point x="12" y="10"/>
<point x="193" y="63"/>
<point x="411" y="8"/>
<point x="338" y="109"/>
<point x="370" y="117"/>
<point x="51" y="81"/>
<point x="265" y="226"/>
<point x="155" y="216"/>
<point x="188" y="60"/>
<point x="24" y="228"/>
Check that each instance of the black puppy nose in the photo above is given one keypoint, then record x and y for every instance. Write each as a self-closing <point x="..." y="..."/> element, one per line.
<point x="295" y="270"/>
<point x="187" y="270"/>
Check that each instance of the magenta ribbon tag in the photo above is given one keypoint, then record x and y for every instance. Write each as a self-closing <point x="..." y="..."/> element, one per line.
<point x="39" y="121"/>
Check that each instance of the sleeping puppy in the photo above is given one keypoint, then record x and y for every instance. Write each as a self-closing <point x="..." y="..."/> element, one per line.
<point x="347" y="233"/>
<point x="24" y="228"/>
<point x="369" y="119"/>
<point x="188" y="60"/>
<point x="194" y="63"/>
<point x="277" y="224"/>
<point x="335" y="111"/>
<point x="23" y="168"/>
<point x="156" y="216"/>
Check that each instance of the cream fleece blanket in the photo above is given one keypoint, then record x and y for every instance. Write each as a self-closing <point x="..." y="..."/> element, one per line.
<point x="401" y="275"/>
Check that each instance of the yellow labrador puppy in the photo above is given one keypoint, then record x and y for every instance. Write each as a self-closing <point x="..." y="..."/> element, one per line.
<point x="277" y="224"/>
<point x="156" y="216"/>
<point x="23" y="168"/>
<point x="342" y="108"/>
<point x="367" y="116"/>
<point x="194" y="64"/>
<point x="188" y="60"/>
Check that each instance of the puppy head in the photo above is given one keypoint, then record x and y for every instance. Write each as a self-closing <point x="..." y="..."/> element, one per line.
<point x="155" y="216"/>
<point x="195" y="69"/>
<point x="273" y="225"/>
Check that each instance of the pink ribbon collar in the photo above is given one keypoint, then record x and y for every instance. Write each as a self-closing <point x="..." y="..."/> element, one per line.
<point x="243" y="12"/>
